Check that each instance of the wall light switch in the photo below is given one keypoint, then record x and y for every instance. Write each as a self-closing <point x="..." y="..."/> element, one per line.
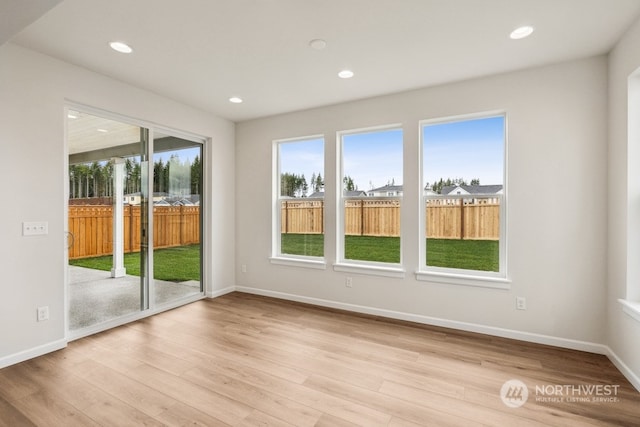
<point x="39" y="228"/>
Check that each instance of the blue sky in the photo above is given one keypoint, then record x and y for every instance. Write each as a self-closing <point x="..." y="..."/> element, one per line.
<point x="465" y="149"/>
<point x="373" y="159"/>
<point x="303" y="157"/>
<point x="370" y="159"/>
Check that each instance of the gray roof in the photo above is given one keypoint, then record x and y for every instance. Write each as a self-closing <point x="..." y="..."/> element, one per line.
<point x="473" y="189"/>
<point x="354" y="193"/>
<point x="388" y="188"/>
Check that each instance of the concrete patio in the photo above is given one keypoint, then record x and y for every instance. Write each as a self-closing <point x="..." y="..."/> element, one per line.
<point x="95" y="297"/>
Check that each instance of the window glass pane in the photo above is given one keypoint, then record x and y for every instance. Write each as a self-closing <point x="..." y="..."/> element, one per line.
<point x="177" y="218"/>
<point x="301" y="197"/>
<point x="372" y="191"/>
<point x="463" y="173"/>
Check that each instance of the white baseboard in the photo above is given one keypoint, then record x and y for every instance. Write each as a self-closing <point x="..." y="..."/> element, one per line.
<point x="219" y="292"/>
<point x="622" y="367"/>
<point x="633" y="378"/>
<point x="12" y="359"/>
<point x="435" y="321"/>
<point x="471" y="327"/>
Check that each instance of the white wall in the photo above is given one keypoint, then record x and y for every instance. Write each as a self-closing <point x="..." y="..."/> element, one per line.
<point x="557" y="122"/>
<point x="624" y="205"/>
<point x="33" y="89"/>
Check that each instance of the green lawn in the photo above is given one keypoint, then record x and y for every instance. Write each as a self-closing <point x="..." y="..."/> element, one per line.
<point x="302" y="244"/>
<point x="464" y="254"/>
<point x="368" y="248"/>
<point x="177" y="264"/>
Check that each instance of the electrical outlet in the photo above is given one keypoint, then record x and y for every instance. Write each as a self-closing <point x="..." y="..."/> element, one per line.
<point x="244" y="268"/>
<point x="43" y="313"/>
<point x="348" y="282"/>
<point x="521" y="303"/>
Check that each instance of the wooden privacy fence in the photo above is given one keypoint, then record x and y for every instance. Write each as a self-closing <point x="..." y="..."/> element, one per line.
<point x="92" y="228"/>
<point x="302" y="216"/>
<point x="463" y="219"/>
<point x="469" y="219"/>
<point x="379" y="217"/>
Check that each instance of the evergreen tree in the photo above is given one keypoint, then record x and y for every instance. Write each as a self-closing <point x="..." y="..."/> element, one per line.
<point x="349" y="185"/>
<point x="319" y="183"/>
<point x="196" y="175"/>
<point x="293" y="185"/>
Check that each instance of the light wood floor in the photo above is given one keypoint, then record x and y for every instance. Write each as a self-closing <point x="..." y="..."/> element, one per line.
<point x="253" y="361"/>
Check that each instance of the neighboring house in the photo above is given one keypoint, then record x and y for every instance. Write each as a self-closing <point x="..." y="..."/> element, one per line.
<point x="483" y="190"/>
<point x="186" y="200"/>
<point x="136" y="198"/>
<point x="429" y="192"/>
<point x="353" y="193"/>
<point x="386" y="191"/>
<point x="182" y="202"/>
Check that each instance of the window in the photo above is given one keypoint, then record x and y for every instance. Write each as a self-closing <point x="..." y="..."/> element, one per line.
<point x="299" y="207"/>
<point x="631" y="301"/>
<point x="370" y="196"/>
<point x="463" y="181"/>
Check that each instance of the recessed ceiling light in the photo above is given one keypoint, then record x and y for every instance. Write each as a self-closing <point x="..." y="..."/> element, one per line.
<point x="72" y="116"/>
<point x="102" y="130"/>
<point x="345" y="74"/>
<point x="121" y="47"/>
<point x="318" y="44"/>
<point x="521" y="32"/>
<point x="235" y="100"/>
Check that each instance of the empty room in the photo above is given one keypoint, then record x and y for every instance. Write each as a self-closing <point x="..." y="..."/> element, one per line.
<point x="320" y="212"/>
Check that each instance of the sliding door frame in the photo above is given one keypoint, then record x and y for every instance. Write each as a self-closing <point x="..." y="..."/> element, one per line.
<point x="147" y="303"/>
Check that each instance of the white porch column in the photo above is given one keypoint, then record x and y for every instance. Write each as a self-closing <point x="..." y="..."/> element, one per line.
<point x="118" y="270"/>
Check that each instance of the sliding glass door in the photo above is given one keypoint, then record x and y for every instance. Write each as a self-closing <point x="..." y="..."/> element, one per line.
<point x="134" y="221"/>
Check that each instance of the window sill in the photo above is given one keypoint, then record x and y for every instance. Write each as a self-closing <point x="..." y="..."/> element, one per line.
<point x="464" y="279"/>
<point x="631" y="308"/>
<point x="374" y="270"/>
<point x="299" y="262"/>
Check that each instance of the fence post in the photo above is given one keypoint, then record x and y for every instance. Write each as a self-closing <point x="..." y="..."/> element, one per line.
<point x="461" y="218"/>
<point x="286" y="217"/>
<point x="182" y="225"/>
<point x="362" y="217"/>
<point x="131" y="228"/>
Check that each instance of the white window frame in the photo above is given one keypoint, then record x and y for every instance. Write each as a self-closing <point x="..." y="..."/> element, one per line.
<point x="395" y="270"/>
<point x="459" y="276"/>
<point x="277" y="257"/>
<point x="631" y="300"/>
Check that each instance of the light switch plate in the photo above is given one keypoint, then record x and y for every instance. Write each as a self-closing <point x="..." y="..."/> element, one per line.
<point x="38" y="228"/>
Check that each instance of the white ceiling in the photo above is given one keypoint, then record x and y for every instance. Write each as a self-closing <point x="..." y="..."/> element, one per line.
<point x="201" y="52"/>
<point x="17" y="14"/>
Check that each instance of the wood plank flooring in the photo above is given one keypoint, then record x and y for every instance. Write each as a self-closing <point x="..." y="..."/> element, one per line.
<point x="245" y="360"/>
